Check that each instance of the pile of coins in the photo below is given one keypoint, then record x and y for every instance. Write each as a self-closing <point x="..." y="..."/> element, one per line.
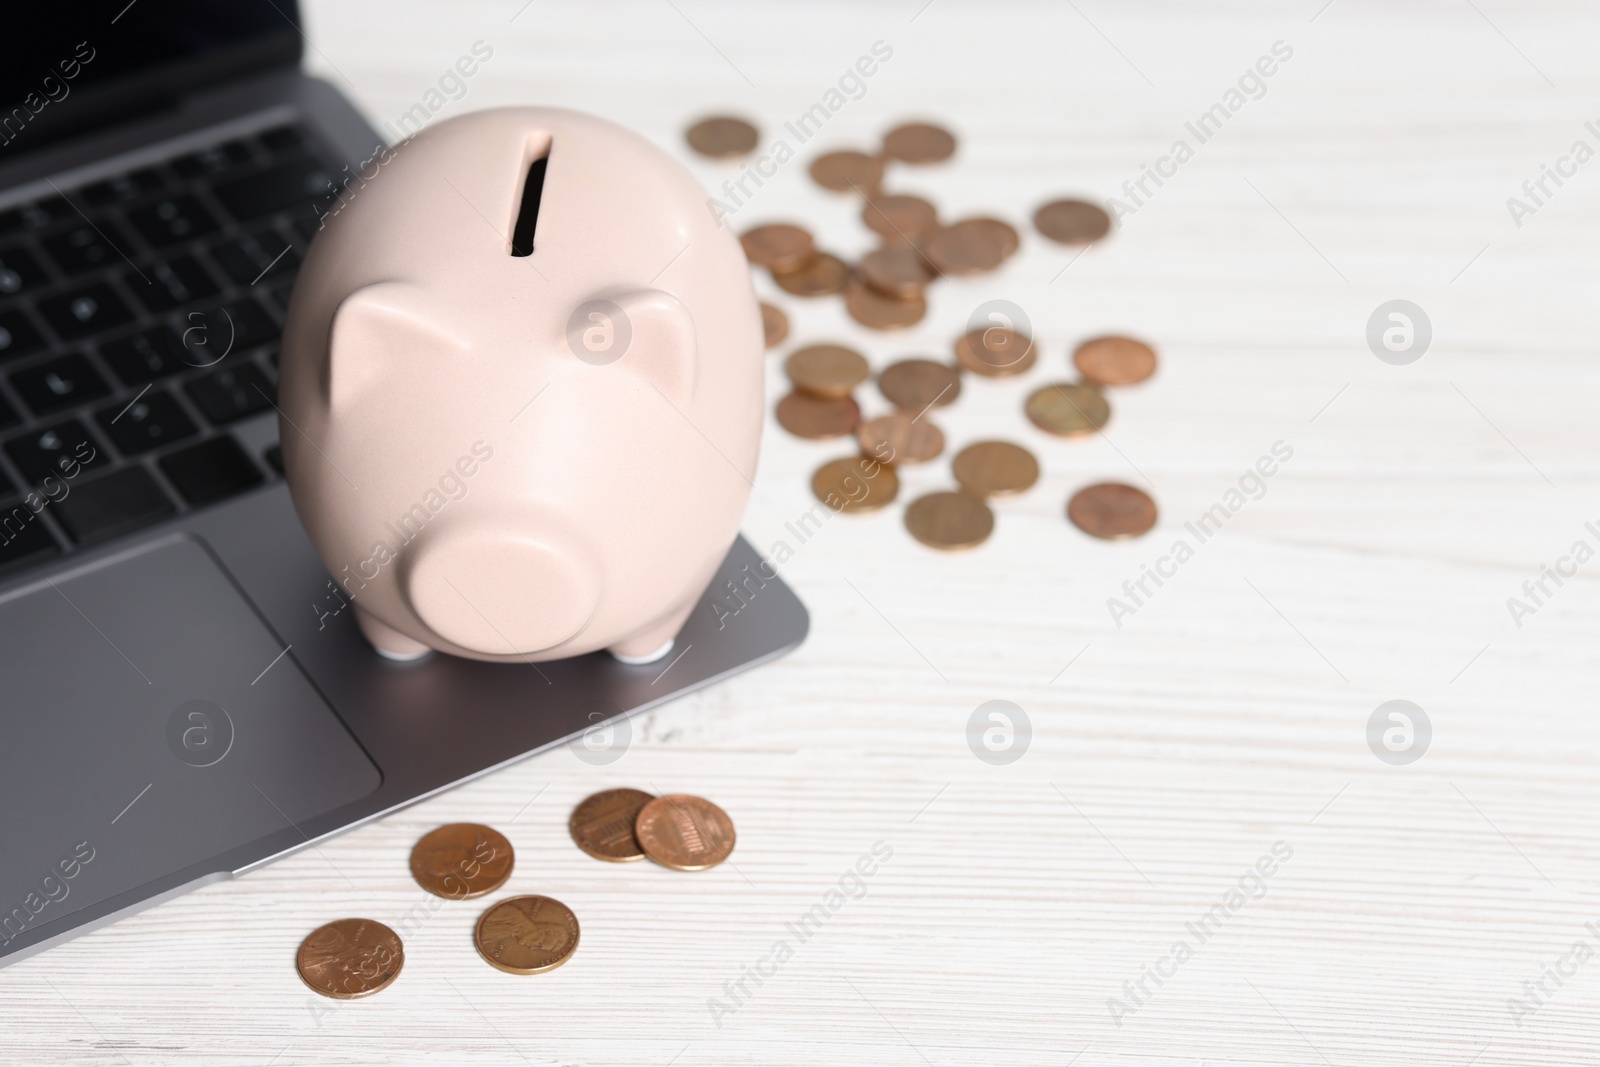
<point x="682" y="832"/>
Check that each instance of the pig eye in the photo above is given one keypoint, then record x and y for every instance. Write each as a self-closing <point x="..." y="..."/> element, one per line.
<point x="528" y="215"/>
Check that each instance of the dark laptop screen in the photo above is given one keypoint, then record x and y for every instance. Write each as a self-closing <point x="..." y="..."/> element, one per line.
<point x="66" y="65"/>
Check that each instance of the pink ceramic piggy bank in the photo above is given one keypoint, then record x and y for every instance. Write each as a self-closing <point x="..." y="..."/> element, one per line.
<point x="514" y="456"/>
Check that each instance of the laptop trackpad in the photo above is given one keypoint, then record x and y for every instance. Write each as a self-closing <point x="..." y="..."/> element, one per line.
<point x="150" y="723"/>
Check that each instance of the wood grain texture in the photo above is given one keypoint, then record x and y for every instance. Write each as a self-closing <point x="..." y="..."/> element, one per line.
<point x="1168" y="754"/>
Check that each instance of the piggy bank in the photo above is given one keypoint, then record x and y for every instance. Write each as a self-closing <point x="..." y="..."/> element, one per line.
<point x="521" y="391"/>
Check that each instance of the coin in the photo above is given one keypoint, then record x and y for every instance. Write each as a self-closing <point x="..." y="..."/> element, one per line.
<point x="995" y="468"/>
<point x="1072" y="222"/>
<point x="462" y="860"/>
<point x="872" y="309"/>
<point x="774" y="325"/>
<point x="949" y="520"/>
<point x="1003" y="232"/>
<point x="964" y="248"/>
<point x="721" y="136"/>
<point x="1115" y="360"/>
<point x="778" y="246"/>
<point x="1112" y="511"/>
<point x="907" y="217"/>
<point x="602" y="824"/>
<point x="845" y="172"/>
<point x="917" y="384"/>
<point x="1068" y="409"/>
<point x="815" y="418"/>
<point x="900" y="438"/>
<point x="996" y="352"/>
<point x="685" y="833"/>
<point x="900" y="272"/>
<point x="350" y="958"/>
<point x="829" y="371"/>
<point x="856" y="483"/>
<point x="821" y="275"/>
<point x="526" y="935"/>
<point x="919" y="142"/>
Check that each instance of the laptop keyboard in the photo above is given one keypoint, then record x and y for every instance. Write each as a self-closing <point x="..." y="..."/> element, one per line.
<point x="139" y="325"/>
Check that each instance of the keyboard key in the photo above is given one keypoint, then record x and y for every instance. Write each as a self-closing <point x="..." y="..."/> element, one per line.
<point x="88" y="247"/>
<point x="223" y="329"/>
<point x="8" y="418"/>
<point x="232" y="393"/>
<point x="279" y="296"/>
<point x="18" y="335"/>
<point x="20" y="271"/>
<point x="274" y="458"/>
<point x="249" y="259"/>
<point x="63" y="382"/>
<point x="62" y="450"/>
<point x="213" y="159"/>
<point x="284" y="139"/>
<point x="81" y="312"/>
<point x="175" y="219"/>
<point x="23" y="537"/>
<point x="171" y="283"/>
<point x="211" y="470"/>
<point x="307" y="219"/>
<point x="36" y="216"/>
<point x="125" y="187"/>
<point x="153" y="420"/>
<point x="112" y="504"/>
<point x="277" y="188"/>
<point x="145" y="356"/>
<point x="8" y="490"/>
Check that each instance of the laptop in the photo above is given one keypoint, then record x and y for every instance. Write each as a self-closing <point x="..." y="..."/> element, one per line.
<point x="184" y="694"/>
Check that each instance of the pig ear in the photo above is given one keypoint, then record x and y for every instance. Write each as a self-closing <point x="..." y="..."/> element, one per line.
<point x="384" y="330"/>
<point x="647" y="332"/>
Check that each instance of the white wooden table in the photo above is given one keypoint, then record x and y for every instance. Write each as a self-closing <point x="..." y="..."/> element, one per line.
<point x="1168" y="755"/>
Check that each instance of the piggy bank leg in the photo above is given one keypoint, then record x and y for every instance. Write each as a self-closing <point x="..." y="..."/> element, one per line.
<point x="654" y="641"/>
<point x="389" y="642"/>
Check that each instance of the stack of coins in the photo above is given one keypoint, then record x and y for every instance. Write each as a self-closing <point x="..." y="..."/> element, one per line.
<point x="679" y="831"/>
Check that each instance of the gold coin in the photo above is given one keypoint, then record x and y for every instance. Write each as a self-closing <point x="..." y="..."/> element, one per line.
<point x="721" y="137"/>
<point x="1112" y="511"/>
<point x="685" y="833"/>
<point x="899" y="271"/>
<point x="916" y="384"/>
<point x="350" y="958"/>
<point x="1002" y="232"/>
<point x="814" y="418"/>
<point x="1072" y="222"/>
<point x="1115" y="360"/>
<point x="526" y="935"/>
<point x="919" y="142"/>
<point x="774" y="325"/>
<point x="995" y="468"/>
<point x="1068" y="409"/>
<point x="964" y="248"/>
<point x="778" y="246"/>
<point x="845" y="172"/>
<point x="874" y="310"/>
<point x="821" y="275"/>
<point x="996" y="352"/>
<point x="949" y="520"/>
<point x="828" y="371"/>
<point x="856" y="483"/>
<point x="462" y="860"/>
<point x="602" y="824"/>
<point x="907" y="217"/>
<point x="900" y="438"/>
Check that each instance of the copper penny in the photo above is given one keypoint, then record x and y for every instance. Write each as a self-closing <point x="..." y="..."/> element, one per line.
<point x="856" y="483"/>
<point x="917" y="384"/>
<point x="949" y="520"/>
<point x="821" y="275"/>
<point x="685" y="833"/>
<point x="602" y="824"/>
<point x="350" y="958"/>
<point x="900" y="438"/>
<point x="462" y="860"/>
<point x="527" y="935"/>
<point x="1068" y="409"/>
<point x="899" y="271"/>
<point x="964" y="248"/>
<point x="774" y="325"/>
<point x="1072" y="222"/>
<point x="907" y="217"/>
<point x="919" y="142"/>
<point x="1112" y="511"/>
<point x="874" y="310"/>
<point x="814" y="418"/>
<point x="778" y="246"/>
<point x="996" y="352"/>
<point x="1115" y="360"/>
<point x="1003" y="232"/>
<point x="995" y="468"/>
<point x="828" y="371"/>
<point x="721" y="137"/>
<point x="845" y="172"/>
